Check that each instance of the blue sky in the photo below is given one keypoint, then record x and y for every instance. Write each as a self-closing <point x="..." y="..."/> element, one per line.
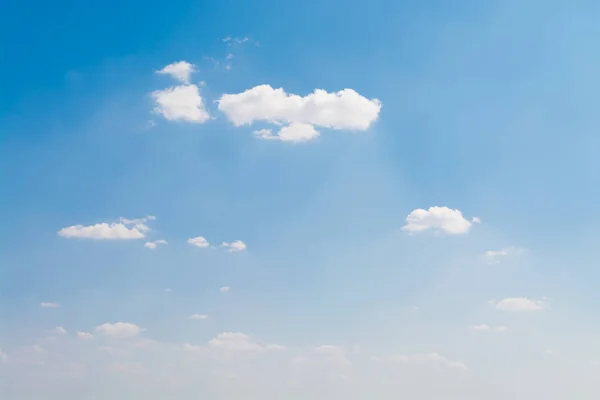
<point x="348" y="284"/>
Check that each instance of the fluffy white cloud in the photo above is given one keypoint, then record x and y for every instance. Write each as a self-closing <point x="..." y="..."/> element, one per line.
<point x="153" y="244"/>
<point x="113" y="231"/>
<point x="495" y="256"/>
<point x="199" y="241"/>
<point x="49" y="305"/>
<point x="343" y="110"/>
<point x="84" y="335"/>
<point x="181" y="103"/>
<point x="181" y="70"/>
<point x="124" y="229"/>
<point x="520" y="304"/>
<point x="234" y="341"/>
<point x="119" y="330"/>
<point x="198" y="316"/>
<point x="488" y="328"/>
<point x="236" y="245"/>
<point x="439" y="219"/>
<point x="225" y="289"/>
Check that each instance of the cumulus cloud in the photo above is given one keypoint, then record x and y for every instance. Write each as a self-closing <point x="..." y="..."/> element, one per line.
<point x="181" y="70"/>
<point x="181" y="103"/>
<point x="495" y="256"/>
<point x="119" y="330"/>
<point x="235" y="246"/>
<point x="199" y="241"/>
<point x="520" y="304"/>
<point x="438" y="219"/>
<point x="488" y="328"/>
<point x="198" y="316"/>
<point x="84" y="335"/>
<point x="225" y="289"/>
<point x="49" y="305"/>
<point x="121" y="230"/>
<point x="299" y="115"/>
<point x="153" y="244"/>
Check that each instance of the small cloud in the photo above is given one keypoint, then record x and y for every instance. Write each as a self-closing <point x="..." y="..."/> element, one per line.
<point x="198" y="316"/>
<point x="439" y="219"/>
<point x="84" y="335"/>
<point x="59" y="330"/>
<point x="520" y="304"/>
<point x="225" y="289"/>
<point x="119" y="330"/>
<point x="275" y="347"/>
<point x="180" y="70"/>
<point x="495" y="256"/>
<point x="476" y="220"/>
<point x="3" y="356"/>
<point x="168" y="290"/>
<point x="235" y="246"/>
<point x="234" y="341"/>
<point x="181" y="103"/>
<point x="153" y="244"/>
<point x="488" y="328"/>
<point x="122" y="230"/>
<point x="199" y="241"/>
<point x="49" y="305"/>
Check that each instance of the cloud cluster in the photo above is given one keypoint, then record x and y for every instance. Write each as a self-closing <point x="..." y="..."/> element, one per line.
<point x="438" y="219"/>
<point x="299" y="115"/>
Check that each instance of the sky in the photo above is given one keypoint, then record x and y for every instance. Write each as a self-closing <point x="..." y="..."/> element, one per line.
<point x="309" y="200"/>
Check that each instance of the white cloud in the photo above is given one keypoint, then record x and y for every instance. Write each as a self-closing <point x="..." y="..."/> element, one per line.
<point x="488" y="328"/>
<point x="234" y="341"/>
<point x="113" y="231"/>
<point x="225" y="289"/>
<point x="49" y="305"/>
<point x="180" y="70"/>
<point x="199" y="241"/>
<point x="495" y="256"/>
<point x="236" y="245"/>
<point x="294" y="132"/>
<point x="84" y="335"/>
<point x="520" y="304"/>
<point x="343" y="110"/>
<point x="168" y="290"/>
<point x="198" y="316"/>
<point x="153" y="244"/>
<point x="3" y="356"/>
<point x="59" y="330"/>
<point x="439" y="219"/>
<point x="119" y="330"/>
<point x="124" y="229"/>
<point x="181" y="103"/>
